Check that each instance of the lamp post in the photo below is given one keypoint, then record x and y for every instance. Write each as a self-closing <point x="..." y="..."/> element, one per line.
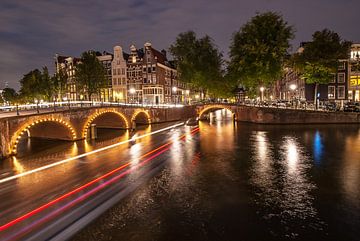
<point x="132" y="92"/>
<point x="37" y="106"/>
<point x="174" y="89"/>
<point x="293" y="88"/>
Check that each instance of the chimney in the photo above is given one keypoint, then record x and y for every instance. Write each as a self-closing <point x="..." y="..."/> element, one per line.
<point x="164" y="52"/>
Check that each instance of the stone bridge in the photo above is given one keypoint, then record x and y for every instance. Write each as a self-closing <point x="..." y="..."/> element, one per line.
<point x="74" y="124"/>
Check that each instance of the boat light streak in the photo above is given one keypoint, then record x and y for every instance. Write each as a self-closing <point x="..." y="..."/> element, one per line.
<point x="85" y="154"/>
<point x="53" y="202"/>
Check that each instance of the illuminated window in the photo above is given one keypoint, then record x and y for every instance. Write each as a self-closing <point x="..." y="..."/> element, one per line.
<point x="341" y="66"/>
<point x="350" y="95"/>
<point x="331" y="92"/>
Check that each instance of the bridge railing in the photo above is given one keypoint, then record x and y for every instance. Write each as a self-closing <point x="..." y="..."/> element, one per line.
<point x="9" y="110"/>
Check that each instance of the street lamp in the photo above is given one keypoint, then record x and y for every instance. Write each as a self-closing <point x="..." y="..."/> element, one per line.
<point x="293" y="87"/>
<point x="187" y="92"/>
<point x="262" y="93"/>
<point x="174" y="89"/>
<point x="132" y="92"/>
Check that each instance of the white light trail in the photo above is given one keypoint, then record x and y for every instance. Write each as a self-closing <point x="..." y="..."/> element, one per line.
<point x="85" y="154"/>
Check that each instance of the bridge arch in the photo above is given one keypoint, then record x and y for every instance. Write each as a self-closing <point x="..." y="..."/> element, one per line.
<point x="147" y="117"/>
<point x="209" y="108"/>
<point x="38" y="125"/>
<point x="100" y="113"/>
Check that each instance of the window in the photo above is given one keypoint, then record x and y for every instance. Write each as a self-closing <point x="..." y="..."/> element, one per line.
<point x="331" y="92"/>
<point x="333" y="80"/>
<point x="341" y="92"/>
<point x="341" y="78"/>
<point x="341" y="66"/>
<point x="350" y="95"/>
<point x="123" y="71"/>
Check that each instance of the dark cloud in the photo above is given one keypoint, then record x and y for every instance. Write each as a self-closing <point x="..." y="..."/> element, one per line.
<point x="32" y="31"/>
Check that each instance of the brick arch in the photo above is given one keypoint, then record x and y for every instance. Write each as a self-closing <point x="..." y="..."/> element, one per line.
<point x="33" y="122"/>
<point x="102" y="112"/>
<point x="139" y="111"/>
<point x="215" y="107"/>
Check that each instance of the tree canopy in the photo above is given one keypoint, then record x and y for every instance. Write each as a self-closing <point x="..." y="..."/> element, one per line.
<point x="90" y="74"/>
<point x="59" y="81"/>
<point x="319" y="59"/>
<point x="259" y="49"/>
<point x="9" y="95"/>
<point x="37" y="84"/>
<point x="199" y="62"/>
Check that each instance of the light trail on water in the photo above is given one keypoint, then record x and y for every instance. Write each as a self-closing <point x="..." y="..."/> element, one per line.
<point x="158" y="151"/>
<point x="85" y="154"/>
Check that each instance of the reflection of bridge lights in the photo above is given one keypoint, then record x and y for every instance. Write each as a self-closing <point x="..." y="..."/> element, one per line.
<point x="261" y="145"/>
<point x="292" y="155"/>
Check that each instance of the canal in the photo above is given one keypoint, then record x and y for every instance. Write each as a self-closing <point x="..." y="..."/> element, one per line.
<point x="247" y="182"/>
<point x="229" y="181"/>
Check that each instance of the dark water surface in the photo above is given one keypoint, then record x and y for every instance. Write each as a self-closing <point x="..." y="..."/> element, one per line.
<point x="247" y="182"/>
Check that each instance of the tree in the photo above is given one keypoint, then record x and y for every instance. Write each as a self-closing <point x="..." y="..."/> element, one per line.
<point x="90" y="74"/>
<point x="47" y="85"/>
<point x="37" y="85"/>
<point x="259" y="49"/>
<point x="10" y="95"/>
<point x="59" y="81"/>
<point x="320" y="58"/>
<point x="199" y="62"/>
<point x="30" y="85"/>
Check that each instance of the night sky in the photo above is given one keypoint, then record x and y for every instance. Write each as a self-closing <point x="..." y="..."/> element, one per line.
<point x="32" y="31"/>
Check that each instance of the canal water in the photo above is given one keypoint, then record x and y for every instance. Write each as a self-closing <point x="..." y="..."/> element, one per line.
<point x="231" y="181"/>
<point x="247" y="182"/>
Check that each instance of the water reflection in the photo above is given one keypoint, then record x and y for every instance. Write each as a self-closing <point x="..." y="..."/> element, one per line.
<point x="318" y="148"/>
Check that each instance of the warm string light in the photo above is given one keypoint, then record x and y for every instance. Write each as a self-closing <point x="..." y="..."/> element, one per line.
<point x="27" y="128"/>
<point x="97" y="114"/>
<point x="214" y="107"/>
<point x="141" y="111"/>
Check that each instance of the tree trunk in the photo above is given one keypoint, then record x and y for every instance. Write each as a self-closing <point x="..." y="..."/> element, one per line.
<point x="315" y="94"/>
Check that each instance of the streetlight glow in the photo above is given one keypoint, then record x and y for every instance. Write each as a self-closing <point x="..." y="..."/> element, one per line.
<point x="174" y="89"/>
<point x="132" y="91"/>
<point x="293" y="86"/>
